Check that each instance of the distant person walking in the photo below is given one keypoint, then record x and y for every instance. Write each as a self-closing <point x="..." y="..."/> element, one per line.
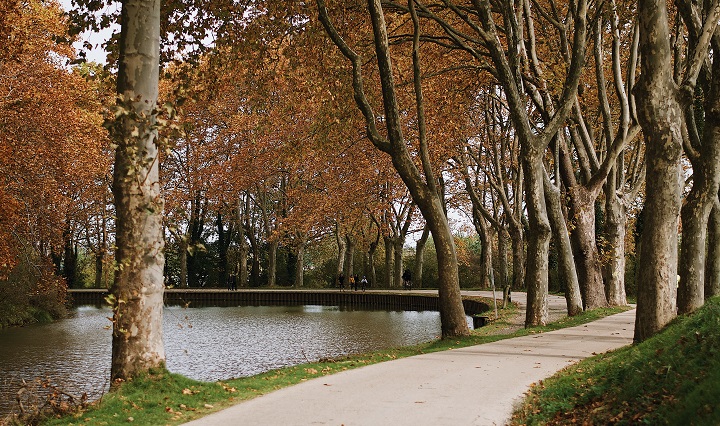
<point x="232" y="282"/>
<point x="341" y="281"/>
<point x="363" y="283"/>
<point x="353" y="284"/>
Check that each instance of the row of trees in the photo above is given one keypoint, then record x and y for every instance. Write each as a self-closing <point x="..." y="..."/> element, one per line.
<point x="53" y="157"/>
<point x="541" y="122"/>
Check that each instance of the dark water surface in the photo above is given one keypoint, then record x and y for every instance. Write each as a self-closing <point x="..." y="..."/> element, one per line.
<point x="204" y="343"/>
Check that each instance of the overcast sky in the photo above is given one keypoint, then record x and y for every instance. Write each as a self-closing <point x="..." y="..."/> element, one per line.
<point x="97" y="54"/>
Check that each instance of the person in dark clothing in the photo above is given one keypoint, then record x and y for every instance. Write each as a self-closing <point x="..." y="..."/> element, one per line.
<point x="232" y="282"/>
<point x="407" y="279"/>
<point x="341" y="281"/>
<point x="356" y="282"/>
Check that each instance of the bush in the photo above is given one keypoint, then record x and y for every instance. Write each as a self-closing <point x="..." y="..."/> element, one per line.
<point x="32" y="293"/>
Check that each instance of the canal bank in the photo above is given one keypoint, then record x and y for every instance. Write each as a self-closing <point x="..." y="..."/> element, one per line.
<point x="421" y="300"/>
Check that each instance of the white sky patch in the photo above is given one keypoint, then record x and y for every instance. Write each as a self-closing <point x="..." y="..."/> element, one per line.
<point x="96" y="39"/>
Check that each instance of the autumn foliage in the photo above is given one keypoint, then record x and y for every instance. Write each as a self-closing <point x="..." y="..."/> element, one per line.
<point x="51" y="139"/>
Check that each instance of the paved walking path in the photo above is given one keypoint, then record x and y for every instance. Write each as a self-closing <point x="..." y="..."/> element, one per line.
<point x="477" y="385"/>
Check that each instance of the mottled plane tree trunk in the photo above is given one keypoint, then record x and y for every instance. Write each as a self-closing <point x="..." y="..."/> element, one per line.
<point x="566" y="262"/>
<point x="702" y="147"/>
<point x="712" y="273"/>
<point x="661" y="115"/>
<point x="420" y="258"/>
<point x="342" y="247"/>
<point x="137" y="341"/>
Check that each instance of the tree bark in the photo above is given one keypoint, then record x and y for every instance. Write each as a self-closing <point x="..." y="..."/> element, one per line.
<point x="342" y="247"/>
<point x="712" y="275"/>
<point x="699" y="202"/>
<point x="371" y="263"/>
<point x="70" y="259"/>
<point x="350" y="257"/>
<point x="615" y="222"/>
<point x="99" y="258"/>
<point x="299" y="266"/>
<point x="583" y="238"/>
<point x="517" y="243"/>
<point x="564" y="249"/>
<point x="660" y="116"/>
<point x="538" y="242"/>
<point x="398" y="243"/>
<point x="389" y="256"/>
<point x="183" y="249"/>
<point x="243" y="250"/>
<point x="585" y="248"/>
<point x="223" y="243"/>
<point x="137" y="342"/>
<point x="243" y="253"/>
<point x="272" y="263"/>
<point x="420" y="257"/>
<point x="503" y="265"/>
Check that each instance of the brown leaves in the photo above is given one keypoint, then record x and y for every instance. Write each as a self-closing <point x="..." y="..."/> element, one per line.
<point x="51" y="138"/>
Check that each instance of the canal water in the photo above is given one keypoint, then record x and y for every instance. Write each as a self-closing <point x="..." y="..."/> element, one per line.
<point x="206" y="344"/>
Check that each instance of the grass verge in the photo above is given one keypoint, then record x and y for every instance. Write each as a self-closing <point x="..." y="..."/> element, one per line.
<point x="672" y="378"/>
<point x="164" y="398"/>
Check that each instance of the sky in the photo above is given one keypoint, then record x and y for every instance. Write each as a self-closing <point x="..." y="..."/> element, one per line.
<point x="97" y="54"/>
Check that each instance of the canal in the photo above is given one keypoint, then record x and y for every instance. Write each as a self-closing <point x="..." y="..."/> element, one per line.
<point x="211" y="343"/>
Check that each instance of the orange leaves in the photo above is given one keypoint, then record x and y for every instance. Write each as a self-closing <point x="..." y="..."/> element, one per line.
<point x="50" y="130"/>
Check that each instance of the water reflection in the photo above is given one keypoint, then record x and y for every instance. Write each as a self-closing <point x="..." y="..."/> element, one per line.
<point x="205" y="343"/>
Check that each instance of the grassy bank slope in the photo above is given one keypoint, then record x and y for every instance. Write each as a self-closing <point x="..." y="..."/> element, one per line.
<point x="672" y="378"/>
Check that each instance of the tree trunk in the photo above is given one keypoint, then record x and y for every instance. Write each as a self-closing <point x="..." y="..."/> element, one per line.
<point x="99" y="257"/>
<point x="486" y="250"/>
<point x="272" y="263"/>
<point x="536" y="278"/>
<point x="699" y="202"/>
<point x="69" y="270"/>
<point x="564" y="249"/>
<point x="398" y="244"/>
<point x="222" y="243"/>
<point x="183" y="248"/>
<point x="341" y="257"/>
<point x="712" y="275"/>
<point x="503" y="266"/>
<point x="422" y="186"/>
<point x="389" y="255"/>
<point x="660" y="117"/>
<point x="137" y="343"/>
<point x="585" y="249"/>
<point x="350" y="255"/>
<point x="365" y="266"/>
<point x="419" y="257"/>
<point x="517" y="242"/>
<point x="452" y="314"/>
<point x="243" y="253"/>
<point x="615" y="222"/>
<point x="371" y="265"/>
<point x="254" y="260"/>
<point x="299" y="267"/>
<point x="486" y="262"/>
